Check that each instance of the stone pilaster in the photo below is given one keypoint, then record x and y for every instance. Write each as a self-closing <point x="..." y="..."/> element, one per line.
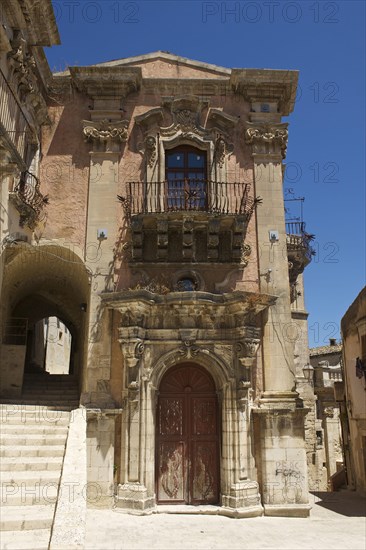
<point x="268" y="143"/>
<point x="283" y="465"/>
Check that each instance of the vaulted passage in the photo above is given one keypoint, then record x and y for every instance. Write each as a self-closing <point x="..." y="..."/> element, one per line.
<point x="187" y="437"/>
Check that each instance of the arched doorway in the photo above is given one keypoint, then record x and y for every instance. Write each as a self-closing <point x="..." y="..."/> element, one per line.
<point x="187" y="437"/>
<point x="43" y="283"/>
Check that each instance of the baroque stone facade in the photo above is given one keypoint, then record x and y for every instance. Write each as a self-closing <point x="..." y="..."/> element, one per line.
<point x="166" y="254"/>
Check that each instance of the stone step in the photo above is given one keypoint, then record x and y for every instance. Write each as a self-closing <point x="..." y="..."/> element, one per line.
<point x="33" y="450"/>
<point x="20" y="518"/>
<point x="29" y="476"/>
<point x="31" y="439"/>
<point x="64" y="399"/>
<point x="38" y="429"/>
<point x="32" y="463"/>
<point x="37" y="539"/>
<point x="20" y="407"/>
<point x="66" y="405"/>
<point x="28" y="494"/>
<point x="43" y="415"/>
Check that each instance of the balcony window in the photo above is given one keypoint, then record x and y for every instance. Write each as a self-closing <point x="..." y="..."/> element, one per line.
<point x="185" y="171"/>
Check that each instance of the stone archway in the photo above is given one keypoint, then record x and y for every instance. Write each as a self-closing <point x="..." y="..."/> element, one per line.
<point x="187" y="437"/>
<point x="40" y="282"/>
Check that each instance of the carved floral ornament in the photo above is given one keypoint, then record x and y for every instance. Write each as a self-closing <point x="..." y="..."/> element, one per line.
<point x="105" y="130"/>
<point x="267" y="139"/>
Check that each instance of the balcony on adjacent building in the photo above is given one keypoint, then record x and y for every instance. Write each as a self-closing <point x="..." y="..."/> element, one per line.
<point x="28" y="199"/>
<point x="195" y="220"/>
<point x="15" y="131"/>
<point x="299" y="251"/>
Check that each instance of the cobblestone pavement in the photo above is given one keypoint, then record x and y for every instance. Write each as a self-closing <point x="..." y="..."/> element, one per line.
<point x="337" y="521"/>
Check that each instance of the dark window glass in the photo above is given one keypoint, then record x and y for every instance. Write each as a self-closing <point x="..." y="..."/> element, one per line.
<point x="186" y="179"/>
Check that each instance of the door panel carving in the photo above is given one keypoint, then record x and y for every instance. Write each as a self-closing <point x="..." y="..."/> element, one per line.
<point x="187" y="440"/>
<point x="203" y="476"/>
<point x="204" y="416"/>
<point x="171" y="416"/>
<point x="171" y="471"/>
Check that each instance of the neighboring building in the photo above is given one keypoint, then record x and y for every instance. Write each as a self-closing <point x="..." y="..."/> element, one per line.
<point x="166" y="254"/>
<point x="25" y="28"/>
<point x="326" y="363"/>
<point x="353" y="326"/>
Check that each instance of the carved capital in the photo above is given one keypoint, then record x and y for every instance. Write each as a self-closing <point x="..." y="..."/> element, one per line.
<point x="104" y="131"/>
<point x="267" y="139"/>
<point x="247" y="348"/>
<point x="329" y="412"/>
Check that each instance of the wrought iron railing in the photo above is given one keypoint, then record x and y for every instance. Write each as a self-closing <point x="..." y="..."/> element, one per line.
<point x="298" y="239"/>
<point x="295" y="228"/>
<point x="28" y="191"/>
<point x="188" y="195"/>
<point x="14" y="126"/>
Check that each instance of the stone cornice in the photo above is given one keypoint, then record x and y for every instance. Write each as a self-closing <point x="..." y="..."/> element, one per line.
<point x="106" y="81"/>
<point x="239" y="302"/>
<point x="267" y="85"/>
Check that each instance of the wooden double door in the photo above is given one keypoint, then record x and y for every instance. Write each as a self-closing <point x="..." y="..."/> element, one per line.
<point x="187" y="437"/>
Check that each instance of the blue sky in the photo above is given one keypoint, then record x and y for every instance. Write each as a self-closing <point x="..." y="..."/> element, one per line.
<point x="325" y="41"/>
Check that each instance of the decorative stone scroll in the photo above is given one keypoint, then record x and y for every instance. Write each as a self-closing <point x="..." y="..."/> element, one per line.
<point x="150" y="150"/>
<point x="267" y="139"/>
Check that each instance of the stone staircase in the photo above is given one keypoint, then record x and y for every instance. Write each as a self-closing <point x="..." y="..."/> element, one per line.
<point x="33" y="435"/>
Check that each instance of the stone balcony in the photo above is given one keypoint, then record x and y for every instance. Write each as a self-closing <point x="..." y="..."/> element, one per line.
<point x="299" y="252"/>
<point x="195" y="221"/>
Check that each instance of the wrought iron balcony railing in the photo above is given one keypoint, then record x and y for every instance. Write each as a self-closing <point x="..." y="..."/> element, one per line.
<point x="298" y="239"/>
<point x="14" y="127"/>
<point x="28" y="199"/>
<point x="188" y="195"/>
